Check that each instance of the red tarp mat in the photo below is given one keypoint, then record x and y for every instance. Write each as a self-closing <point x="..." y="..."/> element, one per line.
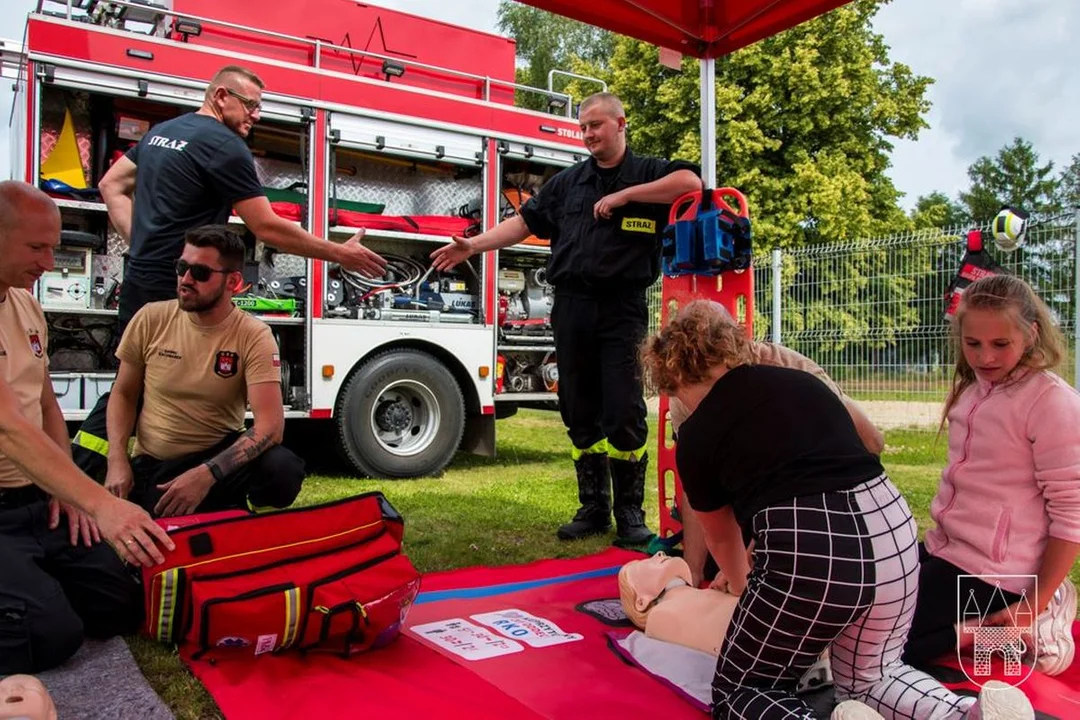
<point x="412" y="679"/>
<point x="584" y="678"/>
<point x="1054" y="697"/>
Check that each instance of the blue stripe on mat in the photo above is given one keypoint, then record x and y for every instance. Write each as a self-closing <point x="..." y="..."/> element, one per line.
<point x="490" y="590"/>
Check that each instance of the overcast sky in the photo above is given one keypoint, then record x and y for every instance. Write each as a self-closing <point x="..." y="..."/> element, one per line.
<point x="1002" y="69"/>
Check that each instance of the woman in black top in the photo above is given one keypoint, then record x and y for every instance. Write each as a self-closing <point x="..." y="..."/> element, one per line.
<point x="773" y="452"/>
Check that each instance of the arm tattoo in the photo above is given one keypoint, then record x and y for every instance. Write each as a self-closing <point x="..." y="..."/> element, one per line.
<point x="246" y="448"/>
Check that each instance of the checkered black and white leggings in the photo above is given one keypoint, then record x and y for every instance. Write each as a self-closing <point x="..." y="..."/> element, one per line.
<point x="837" y="570"/>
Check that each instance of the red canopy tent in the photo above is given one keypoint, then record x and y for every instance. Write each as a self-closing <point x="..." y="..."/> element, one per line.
<point x="704" y="29"/>
<point x="701" y="28"/>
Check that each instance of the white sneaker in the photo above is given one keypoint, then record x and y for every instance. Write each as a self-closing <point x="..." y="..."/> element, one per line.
<point x="855" y="710"/>
<point x="1001" y="701"/>
<point x="1056" y="646"/>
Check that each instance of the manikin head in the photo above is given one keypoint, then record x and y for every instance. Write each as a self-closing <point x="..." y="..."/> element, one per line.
<point x="25" y="698"/>
<point x="642" y="582"/>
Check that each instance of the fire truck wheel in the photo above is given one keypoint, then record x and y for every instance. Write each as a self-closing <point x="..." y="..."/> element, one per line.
<point x="401" y="415"/>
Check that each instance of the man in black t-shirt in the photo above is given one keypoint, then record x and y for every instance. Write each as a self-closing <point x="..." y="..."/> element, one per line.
<point x="604" y="217"/>
<point x="187" y="172"/>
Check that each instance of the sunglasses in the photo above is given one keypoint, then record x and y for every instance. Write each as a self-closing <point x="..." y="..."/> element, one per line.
<point x="201" y="273"/>
<point x="252" y="106"/>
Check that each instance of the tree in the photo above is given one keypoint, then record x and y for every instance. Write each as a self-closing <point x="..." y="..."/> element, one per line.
<point x="1015" y="177"/>
<point x="546" y="42"/>
<point x="1069" y="184"/>
<point x="805" y="121"/>
<point x="936" y="210"/>
<point x="805" y="124"/>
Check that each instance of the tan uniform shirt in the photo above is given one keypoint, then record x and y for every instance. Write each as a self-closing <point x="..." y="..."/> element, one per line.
<point x="24" y="365"/>
<point x="195" y="378"/>
<point x="764" y="354"/>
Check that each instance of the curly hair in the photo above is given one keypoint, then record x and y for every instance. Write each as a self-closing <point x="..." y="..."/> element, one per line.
<point x="701" y="337"/>
<point x="1009" y="295"/>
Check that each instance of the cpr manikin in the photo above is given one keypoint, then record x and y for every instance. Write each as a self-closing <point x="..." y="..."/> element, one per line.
<point x="23" y="697"/>
<point x="658" y="597"/>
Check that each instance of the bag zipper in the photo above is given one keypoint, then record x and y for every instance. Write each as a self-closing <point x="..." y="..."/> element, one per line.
<point x="952" y="471"/>
<point x="188" y="621"/>
<point x="314" y="585"/>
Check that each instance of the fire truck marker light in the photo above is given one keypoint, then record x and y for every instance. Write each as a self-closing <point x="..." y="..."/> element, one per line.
<point x="327" y="371"/>
<point x="484" y="371"/>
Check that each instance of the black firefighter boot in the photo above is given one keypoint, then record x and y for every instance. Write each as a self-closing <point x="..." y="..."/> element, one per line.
<point x="628" y="481"/>
<point x="594" y="493"/>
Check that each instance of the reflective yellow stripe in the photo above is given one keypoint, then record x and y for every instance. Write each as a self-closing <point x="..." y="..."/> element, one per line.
<point x="292" y="617"/>
<point x="631" y="455"/>
<point x="93" y="443"/>
<point x="167" y="608"/>
<point x="258" y="509"/>
<point x="597" y="448"/>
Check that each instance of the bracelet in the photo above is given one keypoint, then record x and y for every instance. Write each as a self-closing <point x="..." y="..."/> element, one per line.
<point x="215" y="471"/>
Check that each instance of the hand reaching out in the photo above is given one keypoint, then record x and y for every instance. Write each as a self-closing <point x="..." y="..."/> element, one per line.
<point x="357" y="258"/>
<point x="449" y="255"/>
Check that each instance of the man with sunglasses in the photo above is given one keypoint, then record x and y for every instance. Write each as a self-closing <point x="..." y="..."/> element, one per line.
<point x="198" y="361"/>
<point x="187" y="172"/>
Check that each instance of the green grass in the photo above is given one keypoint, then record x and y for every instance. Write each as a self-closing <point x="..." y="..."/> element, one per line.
<point x="920" y="395"/>
<point x="504" y="510"/>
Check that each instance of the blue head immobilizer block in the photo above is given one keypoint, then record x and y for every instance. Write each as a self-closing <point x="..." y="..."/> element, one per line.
<point x="717" y="244"/>
<point x="709" y="244"/>
<point x="679" y="247"/>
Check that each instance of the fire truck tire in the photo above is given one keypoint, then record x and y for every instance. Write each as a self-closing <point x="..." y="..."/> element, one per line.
<point x="401" y="415"/>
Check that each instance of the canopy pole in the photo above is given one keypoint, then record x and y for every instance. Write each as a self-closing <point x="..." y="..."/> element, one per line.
<point x="708" y="121"/>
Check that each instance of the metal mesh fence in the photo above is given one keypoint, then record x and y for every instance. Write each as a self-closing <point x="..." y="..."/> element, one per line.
<point x="872" y="312"/>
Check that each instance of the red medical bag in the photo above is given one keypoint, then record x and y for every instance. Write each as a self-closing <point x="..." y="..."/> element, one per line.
<point x="326" y="577"/>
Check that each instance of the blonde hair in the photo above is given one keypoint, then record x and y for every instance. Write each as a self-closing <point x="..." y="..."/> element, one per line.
<point x="700" y="337"/>
<point x="628" y="598"/>
<point x="1044" y="345"/>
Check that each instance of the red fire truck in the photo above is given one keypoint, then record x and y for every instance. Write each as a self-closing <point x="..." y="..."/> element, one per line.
<point x="371" y="118"/>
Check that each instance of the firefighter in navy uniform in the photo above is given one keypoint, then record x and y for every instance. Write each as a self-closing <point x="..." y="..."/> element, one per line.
<point x="187" y="172"/>
<point x="604" y="217"/>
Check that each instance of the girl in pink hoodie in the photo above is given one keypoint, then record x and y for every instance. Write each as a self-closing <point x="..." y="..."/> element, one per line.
<point x="1007" y="510"/>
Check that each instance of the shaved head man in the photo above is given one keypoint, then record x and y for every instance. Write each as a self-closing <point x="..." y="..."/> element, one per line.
<point x="58" y="581"/>
<point x="604" y="217"/>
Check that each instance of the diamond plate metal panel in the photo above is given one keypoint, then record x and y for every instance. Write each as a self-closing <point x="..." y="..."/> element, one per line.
<point x="114" y="244"/>
<point x="406" y="188"/>
<point x="282" y="266"/>
<point x="278" y="173"/>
